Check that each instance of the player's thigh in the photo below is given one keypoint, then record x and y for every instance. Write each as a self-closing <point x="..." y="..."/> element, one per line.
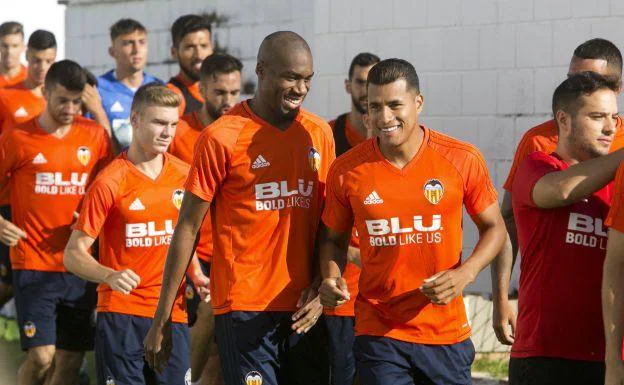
<point x="248" y="347"/>
<point x="380" y="361"/>
<point x="36" y="296"/>
<point x="75" y="323"/>
<point x="119" y="349"/>
<point x="444" y="364"/>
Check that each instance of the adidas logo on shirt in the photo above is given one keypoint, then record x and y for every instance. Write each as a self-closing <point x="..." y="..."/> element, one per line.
<point x="40" y="159"/>
<point x="260" y="162"/>
<point x="136" y="205"/>
<point x="373" y="199"/>
<point x="21" y="113"/>
<point x="116" y="107"/>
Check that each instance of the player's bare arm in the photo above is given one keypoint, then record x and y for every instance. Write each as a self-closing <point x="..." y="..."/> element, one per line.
<point x="93" y="103"/>
<point x="504" y="316"/>
<point x="333" y="256"/>
<point x="79" y="261"/>
<point x="444" y="286"/>
<point x="157" y="343"/>
<point x="613" y="307"/>
<point x="562" y="188"/>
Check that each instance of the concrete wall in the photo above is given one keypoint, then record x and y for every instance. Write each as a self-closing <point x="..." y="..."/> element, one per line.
<point x="488" y="67"/>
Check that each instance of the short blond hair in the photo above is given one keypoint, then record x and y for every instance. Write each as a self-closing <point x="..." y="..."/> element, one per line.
<point x="154" y="94"/>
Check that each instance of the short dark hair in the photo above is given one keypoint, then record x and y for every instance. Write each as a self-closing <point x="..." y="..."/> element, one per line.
<point x="124" y="27"/>
<point x="11" y="28"/>
<point x="41" y="40"/>
<point x="601" y="49"/>
<point x="91" y="78"/>
<point x="67" y="73"/>
<point x="188" y="24"/>
<point x="219" y="63"/>
<point x="567" y="96"/>
<point x="363" y="59"/>
<point x="390" y="70"/>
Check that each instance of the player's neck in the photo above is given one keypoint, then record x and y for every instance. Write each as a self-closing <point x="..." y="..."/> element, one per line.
<point x="268" y="114"/>
<point x="36" y="89"/>
<point x="204" y="117"/>
<point x="357" y="122"/>
<point x="401" y="155"/>
<point x="128" y="78"/>
<point x="148" y="163"/>
<point x="567" y="154"/>
<point x="51" y="126"/>
<point x="185" y="78"/>
<point x="10" y="72"/>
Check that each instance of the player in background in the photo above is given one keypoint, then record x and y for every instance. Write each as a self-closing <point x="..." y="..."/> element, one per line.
<point x="596" y="55"/>
<point x="560" y="202"/>
<point x="140" y="192"/>
<point x="404" y="191"/>
<point x="49" y="161"/>
<point x="117" y="87"/>
<point x="349" y="130"/>
<point x="191" y="37"/>
<point x="12" y="71"/>
<point x="260" y="172"/>
<point x="220" y="85"/>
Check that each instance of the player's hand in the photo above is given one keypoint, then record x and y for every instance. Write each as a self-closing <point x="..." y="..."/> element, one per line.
<point x="504" y="322"/>
<point x="91" y="98"/>
<point x="614" y="373"/>
<point x="123" y="281"/>
<point x="202" y="285"/>
<point x="442" y="287"/>
<point x="157" y="345"/>
<point x="334" y="292"/>
<point x="310" y="310"/>
<point x="10" y="234"/>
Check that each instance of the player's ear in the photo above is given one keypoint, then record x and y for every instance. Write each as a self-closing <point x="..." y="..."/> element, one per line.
<point x="420" y="101"/>
<point x="563" y="120"/>
<point x="111" y="53"/>
<point x="134" y="118"/>
<point x="260" y="70"/>
<point x="174" y="52"/>
<point x="347" y="86"/>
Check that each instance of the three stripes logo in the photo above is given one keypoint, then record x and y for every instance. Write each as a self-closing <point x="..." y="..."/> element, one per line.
<point x="260" y="162"/>
<point x="39" y="159"/>
<point x="373" y="199"/>
<point x="136" y="205"/>
<point x="434" y="190"/>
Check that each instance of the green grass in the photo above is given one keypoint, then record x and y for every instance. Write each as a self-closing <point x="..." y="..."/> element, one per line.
<point x="496" y="367"/>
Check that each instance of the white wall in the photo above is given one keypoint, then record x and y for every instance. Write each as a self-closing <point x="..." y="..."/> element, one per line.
<point x="487" y="67"/>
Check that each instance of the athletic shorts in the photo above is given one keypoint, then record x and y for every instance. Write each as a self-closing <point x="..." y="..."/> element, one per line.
<point x="191" y="295"/>
<point x="341" y="334"/>
<point x="383" y="361"/>
<point x="120" y="357"/>
<point x="260" y="348"/>
<point x="555" y="371"/>
<point x="6" y="272"/>
<point x="54" y="308"/>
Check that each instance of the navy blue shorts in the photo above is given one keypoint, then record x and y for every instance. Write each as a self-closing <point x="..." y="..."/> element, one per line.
<point x="382" y="361"/>
<point x="6" y="272"/>
<point x="191" y="295"/>
<point x="54" y="308"/>
<point x="260" y="348"/>
<point x="340" y="331"/>
<point x="120" y="357"/>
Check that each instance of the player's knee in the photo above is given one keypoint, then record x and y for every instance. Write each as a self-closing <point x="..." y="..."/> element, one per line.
<point x="41" y="357"/>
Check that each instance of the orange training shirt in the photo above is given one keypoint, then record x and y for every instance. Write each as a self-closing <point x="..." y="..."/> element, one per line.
<point x="20" y="77"/>
<point x="48" y="179"/>
<point x="410" y="227"/>
<point x="182" y="146"/>
<point x="267" y="188"/>
<point x="134" y="217"/>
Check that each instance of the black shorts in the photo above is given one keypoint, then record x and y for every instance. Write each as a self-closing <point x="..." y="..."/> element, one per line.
<point x="54" y="308"/>
<point x="555" y="371"/>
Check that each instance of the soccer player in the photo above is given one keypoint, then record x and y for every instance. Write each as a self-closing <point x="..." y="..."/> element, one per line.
<point x="349" y="130"/>
<point x="140" y="193"/>
<point x="49" y="161"/>
<point x="191" y="44"/>
<point x="117" y="86"/>
<point x="404" y="192"/>
<point x="220" y="85"/>
<point x="260" y="171"/>
<point x="12" y="71"/>
<point x="560" y="202"/>
<point x="597" y="55"/>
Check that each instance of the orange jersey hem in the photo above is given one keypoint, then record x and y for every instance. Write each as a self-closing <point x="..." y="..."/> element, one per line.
<point x="174" y="317"/>
<point x="229" y="308"/>
<point x="415" y="340"/>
